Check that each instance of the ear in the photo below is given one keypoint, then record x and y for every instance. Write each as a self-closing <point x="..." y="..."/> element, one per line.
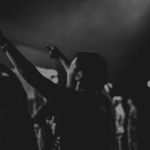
<point x="79" y="76"/>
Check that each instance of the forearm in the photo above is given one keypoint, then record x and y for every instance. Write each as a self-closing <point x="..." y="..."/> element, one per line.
<point x="29" y="72"/>
<point x="65" y="62"/>
<point x="56" y="54"/>
<point x="25" y="67"/>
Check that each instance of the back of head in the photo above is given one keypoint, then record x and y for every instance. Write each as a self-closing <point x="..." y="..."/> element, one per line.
<point x="94" y="68"/>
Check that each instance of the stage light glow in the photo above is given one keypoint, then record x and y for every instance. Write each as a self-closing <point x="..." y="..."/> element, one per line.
<point x="148" y="83"/>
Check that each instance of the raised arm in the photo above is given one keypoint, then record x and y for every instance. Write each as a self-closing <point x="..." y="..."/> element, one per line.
<point x="8" y="72"/>
<point x="56" y="54"/>
<point x="29" y="72"/>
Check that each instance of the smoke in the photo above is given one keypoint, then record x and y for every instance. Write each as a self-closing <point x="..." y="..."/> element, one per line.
<point x="106" y="23"/>
<point x="108" y="27"/>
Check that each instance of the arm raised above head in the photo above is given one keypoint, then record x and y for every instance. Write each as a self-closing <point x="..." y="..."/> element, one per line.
<point x="28" y="71"/>
<point x="56" y="54"/>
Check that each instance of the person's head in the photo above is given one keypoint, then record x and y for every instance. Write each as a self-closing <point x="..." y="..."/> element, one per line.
<point x="88" y="72"/>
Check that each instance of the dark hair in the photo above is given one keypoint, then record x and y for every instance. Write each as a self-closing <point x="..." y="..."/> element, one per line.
<point x="94" y="68"/>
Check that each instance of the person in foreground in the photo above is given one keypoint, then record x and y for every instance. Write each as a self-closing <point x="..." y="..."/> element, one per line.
<point x="82" y="121"/>
<point x="16" y="125"/>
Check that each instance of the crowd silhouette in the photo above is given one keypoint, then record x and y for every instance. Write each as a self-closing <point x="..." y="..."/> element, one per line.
<point x="88" y="113"/>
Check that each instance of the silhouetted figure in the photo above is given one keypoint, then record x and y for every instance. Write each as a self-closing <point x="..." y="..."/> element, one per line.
<point x="83" y="58"/>
<point x="44" y="119"/>
<point x="82" y="122"/>
<point x="124" y="140"/>
<point x="132" y="126"/>
<point x="119" y="120"/>
<point x="16" y="126"/>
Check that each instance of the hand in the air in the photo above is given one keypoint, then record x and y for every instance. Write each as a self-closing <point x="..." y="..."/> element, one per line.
<point x="53" y="52"/>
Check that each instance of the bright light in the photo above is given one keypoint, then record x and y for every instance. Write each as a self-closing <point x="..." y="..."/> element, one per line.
<point x="55" y="80"/>
<point x="51" y="74"/>
<point x="4" y="74"/>
<point x="47" y="72"/>
<point x="148" y="83"/>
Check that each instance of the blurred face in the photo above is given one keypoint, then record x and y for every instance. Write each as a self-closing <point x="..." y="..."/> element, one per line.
<point x="71" y="74"/>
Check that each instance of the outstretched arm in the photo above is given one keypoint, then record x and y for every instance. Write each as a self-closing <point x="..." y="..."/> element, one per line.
<point x="56" y="54"/>
<point x="11" y="74"/>
<point x="65" y="62"/>
<point x="29" y="72"/>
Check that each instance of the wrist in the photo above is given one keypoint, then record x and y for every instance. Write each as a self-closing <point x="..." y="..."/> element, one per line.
<point x="4" y="48"/>
<point x="7" y="47"/>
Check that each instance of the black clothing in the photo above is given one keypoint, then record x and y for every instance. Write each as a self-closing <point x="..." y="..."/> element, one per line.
<point x="82" y="122"/>
<point x="16" y="126"/>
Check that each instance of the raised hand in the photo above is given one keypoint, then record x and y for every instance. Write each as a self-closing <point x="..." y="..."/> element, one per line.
<point x="53" y="52"/>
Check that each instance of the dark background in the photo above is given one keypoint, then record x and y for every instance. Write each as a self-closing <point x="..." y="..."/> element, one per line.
<point x="116" y="29"/>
